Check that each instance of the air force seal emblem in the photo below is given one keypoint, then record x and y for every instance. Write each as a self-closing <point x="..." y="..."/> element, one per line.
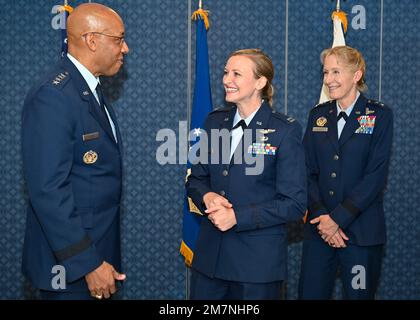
<point x="90" y="157"/>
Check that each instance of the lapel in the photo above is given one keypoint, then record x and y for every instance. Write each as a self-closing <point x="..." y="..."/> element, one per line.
<point x="227" y="123"/>
<point x="352" y="124"/>
<point x="332" y="125"/>
<point x="87" y="96"/>
<point x="260" y="121"/>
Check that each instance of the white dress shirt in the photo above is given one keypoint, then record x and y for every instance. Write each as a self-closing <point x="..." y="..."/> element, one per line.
<point x="238" y="132"/>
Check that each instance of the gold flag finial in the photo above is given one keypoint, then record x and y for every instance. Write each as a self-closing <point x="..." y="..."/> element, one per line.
<point x="66" y="7"/>
<point x="340" y="15"/>
<point x="201" y="14"/>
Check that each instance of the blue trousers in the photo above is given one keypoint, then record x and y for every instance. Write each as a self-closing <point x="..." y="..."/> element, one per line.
<point x="359" y="266"/>
<point x="205" y="288"/>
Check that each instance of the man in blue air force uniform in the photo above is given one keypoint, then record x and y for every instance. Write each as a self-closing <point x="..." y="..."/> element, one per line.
<point x="71" y="148"/>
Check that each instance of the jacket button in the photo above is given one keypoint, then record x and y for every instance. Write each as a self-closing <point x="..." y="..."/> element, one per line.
<point x="331" y="193"/>
<point x="222" y="193"/>
<point x="336" y="157"/>
<point x="333" y="175"/>
<point x="225" y="173"/>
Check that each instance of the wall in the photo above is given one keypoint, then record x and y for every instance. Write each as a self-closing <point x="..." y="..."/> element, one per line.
<point x="153" y="91"/>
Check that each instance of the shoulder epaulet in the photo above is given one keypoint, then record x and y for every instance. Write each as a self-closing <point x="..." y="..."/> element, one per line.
<point x="221" y="109"/>
<point x="323" y="104"/>
<point x="60" y="79"/>
<point x="283" y="117"/>
<point x="375" y="103"/>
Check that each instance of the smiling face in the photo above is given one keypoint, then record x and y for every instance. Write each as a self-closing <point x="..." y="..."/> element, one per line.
<point x="241" y="85"/>
<point x="341" y="81"/>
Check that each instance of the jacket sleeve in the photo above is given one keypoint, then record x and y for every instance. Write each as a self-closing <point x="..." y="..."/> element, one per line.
<point x="47" y="148"/>
<point x="375" y="174"/>
<point x="315" y="205"/>
<point x="291" y="192"/>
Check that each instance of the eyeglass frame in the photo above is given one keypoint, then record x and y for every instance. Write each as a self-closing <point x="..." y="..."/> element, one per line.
<point x="121" y="39"/>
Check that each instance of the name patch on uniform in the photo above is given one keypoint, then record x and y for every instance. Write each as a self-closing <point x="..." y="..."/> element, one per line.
<point x="91" y="136"/>
<point x="367" y="124"/>
<point x="320" y="129"/>
<point x="262" y="148"/>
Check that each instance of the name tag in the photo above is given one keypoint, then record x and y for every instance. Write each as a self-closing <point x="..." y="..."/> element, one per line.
<point x="320" y="129"/>
<point x="91" y="136"/>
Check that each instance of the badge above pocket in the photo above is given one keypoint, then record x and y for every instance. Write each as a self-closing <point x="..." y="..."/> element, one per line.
<point x="320" y="125"/>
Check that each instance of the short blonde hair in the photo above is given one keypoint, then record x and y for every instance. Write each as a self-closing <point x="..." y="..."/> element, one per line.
<point x="352" y="58"/>
<point x="263" y="68"/>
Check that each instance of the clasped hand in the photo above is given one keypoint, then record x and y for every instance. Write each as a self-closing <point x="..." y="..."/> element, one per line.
<point x="219" y="211"/>
<point x="101" y="281"/>
<point x="330" y="231"/>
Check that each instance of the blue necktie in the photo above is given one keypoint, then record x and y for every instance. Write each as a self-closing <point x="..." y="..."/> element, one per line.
<point x="101" y="109"/>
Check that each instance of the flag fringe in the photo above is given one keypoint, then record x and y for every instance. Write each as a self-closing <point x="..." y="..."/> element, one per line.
<point x="201" y="14"/>
<point x="343" y="18"/>
<point x="187" y="253"/>
<point x="67" y="8"/>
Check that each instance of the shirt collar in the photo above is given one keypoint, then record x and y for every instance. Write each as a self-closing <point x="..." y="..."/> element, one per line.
<point x="248" y="120"/>
<point x="90" y="79"/>
<point x="349" y="109"/>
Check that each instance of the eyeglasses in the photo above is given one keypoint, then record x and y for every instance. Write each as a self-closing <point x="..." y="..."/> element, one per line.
<point x="120" y="42"/>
